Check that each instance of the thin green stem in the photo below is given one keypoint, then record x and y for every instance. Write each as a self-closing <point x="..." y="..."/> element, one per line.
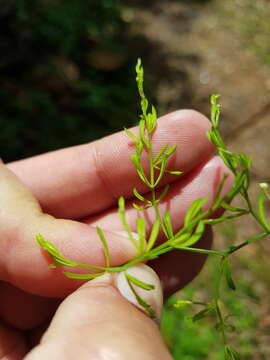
<point x="129" y="232"/>
<point x="201" y="303"/>
<point x="219" y="315"/>
<point x="202" y="251"/>
<point x="153" y="190"/>
<point x="232" y="249"/>
<point x="150" y="155"/>
<point x="157" y="213"/>
<point x="216" y="302"/>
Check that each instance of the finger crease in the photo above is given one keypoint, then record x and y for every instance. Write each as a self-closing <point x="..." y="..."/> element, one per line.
<point x="101" y="173"/>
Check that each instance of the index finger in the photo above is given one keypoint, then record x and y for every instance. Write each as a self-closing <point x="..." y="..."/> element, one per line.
<point x="80" y="181"/>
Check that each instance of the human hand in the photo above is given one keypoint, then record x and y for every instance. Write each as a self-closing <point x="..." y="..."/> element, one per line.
<point x="83" y="183"/>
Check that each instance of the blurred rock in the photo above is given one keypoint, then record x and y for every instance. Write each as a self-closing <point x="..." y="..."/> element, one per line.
<point x="67" y="68"/>
<point x="104" y="59"/>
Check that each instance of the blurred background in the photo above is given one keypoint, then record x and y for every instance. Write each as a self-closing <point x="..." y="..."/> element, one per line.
<point x="67" y="77"/>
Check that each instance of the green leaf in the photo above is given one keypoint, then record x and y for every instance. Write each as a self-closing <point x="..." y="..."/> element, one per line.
<point x="154" y="112"/>
<point x="182" y="303"/>
<point x="161" y="171"/>
<point x="214" y="221"/>
<point x="239" y="182"/>
<point x="144" y="106"/>
<point x="218" y="192"/>
<point x="214" y="137"/>
<point x="171" y="150"/>
<point x="132" y="136"/>
<point x="142" y="133"/>
<point x="53" y="251"/>
<point x="138" y="65"/>
<point x="139" y="148"/>
<point x="173" y="172"/>
<point x="136" y="161"/>
<point x="215" y="109"/>
<point x="164" y="192"/>
<point x="179" y="241"/>
<point x="138" y="208"/>
<point x="141" y="232"/>
<point x="139" y="196"/>
<point x="151" y="120"/>
<point x="159" y="155"/>
<point x="261" y="211"/>
<point x="59" y="259"/>
<point x="225" y="218"/>
<point x="229" y="159"/>
<point x="82" y="276"/>
<point x="147" y="307"/>
<point x="193" y="210"/>
<point x="143" y="178"/>
<point x="202" y="314"/>
<point x="195" y="237"/>
<point x="139" y="77"/>
<point x="245" y="161"/>
<point x="139" y="283"/>
<point x="153" y="235"/>
<point x="122" y="215"/>
<point x="46" y="245"/>
<point x="231" y="354"/>
<point x="232" y="208"/>
<point x="53" y="266"/>
<point x="104" y="245"/>
<point x="168" y="223"/>
<point x="121" y="204"/>
<point x="228" y="275"/>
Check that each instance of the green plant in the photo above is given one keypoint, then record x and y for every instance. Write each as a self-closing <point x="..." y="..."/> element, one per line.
<point x="196" y="217"/>
<point x="196" y="340"/>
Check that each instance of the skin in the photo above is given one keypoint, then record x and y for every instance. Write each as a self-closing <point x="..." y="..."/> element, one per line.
<point x="63" y="195"/>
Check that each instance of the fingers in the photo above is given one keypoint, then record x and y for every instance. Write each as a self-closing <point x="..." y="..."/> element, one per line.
<point x="24" y="264"/>
<point x="22" y="310"/>
<point x="12" y="344"/>
<point x="82" y="180"/>
<point x="96" y="322"/>
<point x="201" y="183"/>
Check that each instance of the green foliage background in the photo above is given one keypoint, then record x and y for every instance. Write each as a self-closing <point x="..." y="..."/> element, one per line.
<point x="51" y="95"/>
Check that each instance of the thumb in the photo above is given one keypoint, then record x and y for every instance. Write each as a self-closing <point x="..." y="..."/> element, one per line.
<point x="96" y="322"/>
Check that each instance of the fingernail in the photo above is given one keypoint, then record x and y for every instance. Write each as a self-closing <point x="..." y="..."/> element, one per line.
<point x="127" y="243"/>
<point x="125" y="234"/>
<point x="154" y="297"/>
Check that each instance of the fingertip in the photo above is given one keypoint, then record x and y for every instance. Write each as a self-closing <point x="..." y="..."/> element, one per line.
<point x="193" y="116"/>
<point x="221" y="172"/>
<point x="96" y="321"/>
<point x="189" y="119"/>
<point x="153" y="297"/>
<point x="187" y="129"/>
<point x="143" y="273"/>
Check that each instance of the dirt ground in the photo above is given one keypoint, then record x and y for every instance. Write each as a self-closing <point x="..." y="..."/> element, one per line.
<point x="196" y="48"/>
